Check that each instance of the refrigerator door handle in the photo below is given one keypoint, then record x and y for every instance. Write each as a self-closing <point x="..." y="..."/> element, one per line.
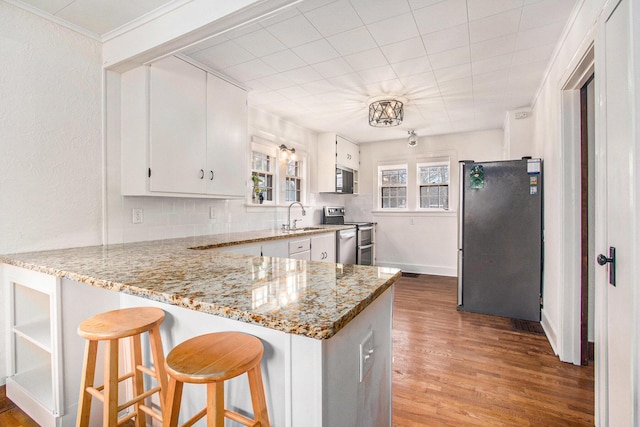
<point x="460" y="204"/>
<point x="460" y="255"/>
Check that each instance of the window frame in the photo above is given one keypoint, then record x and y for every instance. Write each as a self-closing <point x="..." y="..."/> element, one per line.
<point x="379" y="197"/>
<point x="272" y="153"/>
<point x="433" y="163"/>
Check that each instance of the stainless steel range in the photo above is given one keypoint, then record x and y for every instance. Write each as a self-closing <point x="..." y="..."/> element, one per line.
<point x="364" y="234"/>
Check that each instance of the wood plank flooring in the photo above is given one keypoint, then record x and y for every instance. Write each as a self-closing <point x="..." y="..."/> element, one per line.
<point x="462" y="369"/>
<point x="465" y="369"/>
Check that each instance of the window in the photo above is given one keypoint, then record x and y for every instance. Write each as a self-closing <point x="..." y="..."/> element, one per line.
<point x="433" y="185"/>
<point x="262" y="176"/>
<point x="392" y="184"/>
<point x="293" y="181"/>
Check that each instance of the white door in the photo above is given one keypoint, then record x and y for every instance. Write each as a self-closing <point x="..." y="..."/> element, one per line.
<point x="178" y="127"/>
<point x="616" y="198"/>
<point x="227" y="142"/>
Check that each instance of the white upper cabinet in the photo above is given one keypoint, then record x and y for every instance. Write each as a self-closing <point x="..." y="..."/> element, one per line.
<point x="226" y="138"/>
<point x="178" y="127"/>
<point x="347" y="153"/>
<point x="335" y="151"/>
<point x="184" y="132"/>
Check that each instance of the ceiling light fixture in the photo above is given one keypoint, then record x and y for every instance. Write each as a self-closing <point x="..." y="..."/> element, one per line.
<point x="386" y="113"/>
<point x="413" y="138"/>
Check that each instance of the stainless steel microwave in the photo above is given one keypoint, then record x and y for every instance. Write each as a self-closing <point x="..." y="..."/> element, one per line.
<point x="344" y="180"/>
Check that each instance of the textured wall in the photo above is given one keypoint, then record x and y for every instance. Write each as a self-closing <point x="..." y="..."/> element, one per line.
<point x="50" y="137"/>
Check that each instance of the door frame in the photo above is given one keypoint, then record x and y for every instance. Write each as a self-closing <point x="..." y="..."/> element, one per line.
<point x="567" y="342"/>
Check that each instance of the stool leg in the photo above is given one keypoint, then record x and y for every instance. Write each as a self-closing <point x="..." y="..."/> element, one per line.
<point x="257" y="396"/>
<point x="158" y="363"/>
<point x="111" y="384"/>
<point x="215" y="404"/>
<point x="171" y="406"/>
<point x="138" y="379"/>
<point x="88" y="375"/>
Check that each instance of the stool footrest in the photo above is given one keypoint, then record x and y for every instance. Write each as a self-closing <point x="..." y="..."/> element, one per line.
<point x="138" y="398"/>
<point x="120" y="379"/>
<point x="145" y="370"/>
<point x="126" y="418"/>
<point x="191" y="421"/>
<point x="240" y="418"/>
<point x="150" y="411"/>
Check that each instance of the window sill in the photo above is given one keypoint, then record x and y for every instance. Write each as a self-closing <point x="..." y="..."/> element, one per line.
<point x="266" y="207"/>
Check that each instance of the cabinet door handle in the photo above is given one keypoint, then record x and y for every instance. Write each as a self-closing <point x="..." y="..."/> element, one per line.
<point x="201" y="173"/>
<point x="212" y="175"/>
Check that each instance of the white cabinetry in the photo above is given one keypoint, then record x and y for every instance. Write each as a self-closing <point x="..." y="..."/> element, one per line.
<point x="300" y="248"/>
<point x="184" y="132"/>
<point x="34" y="357"/>
<point x="323" y="247"/>
<point x="278" y="249"/>
<point x="333" y="151"/>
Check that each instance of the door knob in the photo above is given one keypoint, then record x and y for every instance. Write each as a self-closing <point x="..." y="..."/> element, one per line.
<point x="603" y="260"/>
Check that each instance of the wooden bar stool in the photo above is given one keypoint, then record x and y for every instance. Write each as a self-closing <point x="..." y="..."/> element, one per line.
<point x="110" y="327"/>
<point x="211" y="359"/>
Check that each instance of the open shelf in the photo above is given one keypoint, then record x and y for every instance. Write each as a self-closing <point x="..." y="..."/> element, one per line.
<point x="36" y="383"/>
<point x="38" y="333"/>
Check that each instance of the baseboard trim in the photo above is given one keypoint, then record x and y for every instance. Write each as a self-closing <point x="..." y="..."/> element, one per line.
<point x="421" y="269"/>
<point x="549" y="332"/>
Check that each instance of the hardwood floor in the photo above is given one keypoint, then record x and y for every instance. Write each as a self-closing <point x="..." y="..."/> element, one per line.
<point x="462" y="369"/>
<point x="456" y="368"/>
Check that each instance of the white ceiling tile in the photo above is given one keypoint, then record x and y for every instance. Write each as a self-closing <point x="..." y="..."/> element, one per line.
<point x="101" y="17"/>
<point x="493" y="47"/>
<point x="441" y="15"/>
<point x="387" y="87"/>
<point x="260" y="43"/>
<point x="449" y="58"/>
<point x="223" y="55"/>
<point x="377" y="10"/>
<point x="491" y="64"/>
<point x="265" y="98"/>
<point x="243" y="30"/>
<point x="272" y="82"/>
<point x="448" y="39"/>
<point x="49" y="6"/>
<point x="306" y="6"/>
<point x="352" y="41"/>
<point x="249" y="70"/>
<point x="334" y="18"/>
<point x="536" y="54"/>
<point x="283" y="61"/>
<point x="213" y="41"/>
<point x="539" y="36"/>
<point x="453" y="73"/>
<point x="519" y="98"/>
<point x="317" y="51"/>
<point x="494" y="26"/>
<point x="294" y="32"/>
<point x="378" y="74"/>
<point x="282" y="15"/>
<point x="392" y="30"/>
<point x="294" y="92"/>
<point x="332" y="68"/>
<point x="302" y="75"/>
<point x="404" y="50"/>
<point x="412" y="66"/>
<point x="456" y="87"/>
<point x="367" y="59"/>
<point x="319" y="86"/>
<point x="350" y="81"/>
<point x="482" y="8"/>
<point x="416" y="82"/>
<point x="545" y="12"/>
<point x="419" y="4"/>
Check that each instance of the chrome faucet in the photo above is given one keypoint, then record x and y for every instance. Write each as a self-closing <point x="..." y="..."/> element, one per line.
<point x="287" y="226"/>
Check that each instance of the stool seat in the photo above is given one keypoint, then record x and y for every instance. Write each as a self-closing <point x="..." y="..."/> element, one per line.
<point x="211" y="359"/>
<point x="122" y="323"/>
<point x="214" y="357"/>
<point x="109" y="328"/>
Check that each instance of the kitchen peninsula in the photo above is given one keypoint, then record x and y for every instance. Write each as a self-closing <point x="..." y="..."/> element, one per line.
<point x="312" y="318"/>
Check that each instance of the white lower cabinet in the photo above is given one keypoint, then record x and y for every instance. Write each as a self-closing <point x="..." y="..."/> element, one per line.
<point x="323" y="247"/>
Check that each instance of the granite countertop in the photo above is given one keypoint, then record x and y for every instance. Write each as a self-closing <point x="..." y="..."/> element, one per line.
<point x="314" y="299"/>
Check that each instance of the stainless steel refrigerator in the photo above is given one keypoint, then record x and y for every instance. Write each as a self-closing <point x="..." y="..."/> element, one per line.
<point x="500" y="238"/>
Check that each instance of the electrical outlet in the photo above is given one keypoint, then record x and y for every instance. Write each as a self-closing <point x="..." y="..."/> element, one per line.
<point x="137" y="215"/>
<point x="366" y="355"/>
<point x="213" y="212"/>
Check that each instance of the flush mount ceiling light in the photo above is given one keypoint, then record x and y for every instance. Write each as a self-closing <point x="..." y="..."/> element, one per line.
<point x="413" y="138"/>
<point x="386" y="113"/>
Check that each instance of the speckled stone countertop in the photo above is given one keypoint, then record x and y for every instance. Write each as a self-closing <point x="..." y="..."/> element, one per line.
<point x="309" y="298"/>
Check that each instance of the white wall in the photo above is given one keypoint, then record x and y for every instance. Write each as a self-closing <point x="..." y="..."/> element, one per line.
<point x="417" y="241"/>
<point x="50" y="138"/>
<point x="518" y="134"/>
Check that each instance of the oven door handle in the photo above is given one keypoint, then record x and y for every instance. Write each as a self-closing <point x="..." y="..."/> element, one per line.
<point x="365" y="246"/>
<point x="365" y="228"/>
